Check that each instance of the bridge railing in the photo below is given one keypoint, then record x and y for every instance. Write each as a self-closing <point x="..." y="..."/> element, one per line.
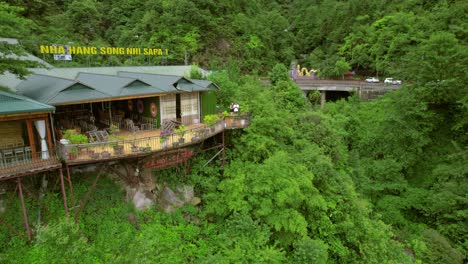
<point x="349" y="84"/>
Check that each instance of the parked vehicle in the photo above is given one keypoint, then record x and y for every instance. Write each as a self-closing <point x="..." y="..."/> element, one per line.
<point x="392" y="81"/>
<point x="372" y="80"/>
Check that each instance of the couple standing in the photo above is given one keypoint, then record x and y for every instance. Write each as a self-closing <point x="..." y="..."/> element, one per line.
<point x="234" y="108"/>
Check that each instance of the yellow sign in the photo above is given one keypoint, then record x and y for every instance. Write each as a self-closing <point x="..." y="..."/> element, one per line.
<point x="79" y="50"/>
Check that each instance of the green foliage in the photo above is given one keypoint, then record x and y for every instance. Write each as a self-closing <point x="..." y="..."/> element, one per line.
<point x="211" y="120"/>
<point x="279" y="73"/>
<point x="74" y="137"/>
<point x="181" y="129"/>
<point x="354" y="183"/>
<point x="439" y="249"/>
<point x="195" y="72"/>
<point x="12" y="25"/>
<point x="308" y="250"/>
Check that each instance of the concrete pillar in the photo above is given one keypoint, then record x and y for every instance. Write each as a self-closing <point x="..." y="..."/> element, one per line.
<point x="322" y="98"/>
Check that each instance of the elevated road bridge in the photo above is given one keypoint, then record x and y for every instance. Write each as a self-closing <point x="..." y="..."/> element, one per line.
<point x="337" y="88"/>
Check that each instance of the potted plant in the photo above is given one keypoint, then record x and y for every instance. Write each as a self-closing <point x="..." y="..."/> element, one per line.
<point x="163" y="137"/>
<point x="113" y="141"/>
<point x="134" y="147"/>
<point x="147" y="148"/>
<point x="94" y="156"/>
<point x="181" y="132"/>
<point x="105" y="154"/>
<point x="74" y="138"/>
<point x="73" y="154"/>
<point x="210" y="121"/>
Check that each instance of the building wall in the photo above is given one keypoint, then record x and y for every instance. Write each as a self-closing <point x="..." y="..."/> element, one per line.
<point x="208" y="103"/>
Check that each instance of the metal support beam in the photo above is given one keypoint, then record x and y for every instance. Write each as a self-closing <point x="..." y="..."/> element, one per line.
<point x="70" y="186"/>
<point x="12" y="229"/>
<point x="323" y="95"/>
<point x="213" y="157"/>
<point x="224" y="154"/>
<point x="64" y="194"/>
<point x="88" y="194"/>
<point x="23" y="206"/>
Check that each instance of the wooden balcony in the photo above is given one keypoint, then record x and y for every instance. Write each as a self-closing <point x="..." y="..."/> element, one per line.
<point x="142" y="143"/>
<point x="27" y="163"/>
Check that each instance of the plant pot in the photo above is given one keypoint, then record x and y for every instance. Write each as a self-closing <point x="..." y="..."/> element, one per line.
<point x="72" y="156"/>
<point x="181" y="140"/>
<point x="118" y="150"/>
<point x="134" y="149"/>
<point x="147" y="149"/>
<point x="105" y="155"/>
<point x="95" y="156"/>
<point x="164" y="144"/>
<point x="175" y="144"/>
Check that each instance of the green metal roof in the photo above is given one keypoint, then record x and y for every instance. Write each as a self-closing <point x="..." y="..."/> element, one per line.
<point x="77" y="93"/>
<point x="42" y="88"/>
<point x="166" y="83"/>
<point x="56" y="91"/>
<point x="11" y="81"/>
<point x="16" y="104"/>
<point x="209" y="85"/>
<point x="117" y="86"/>
<point x="101" y="87"/>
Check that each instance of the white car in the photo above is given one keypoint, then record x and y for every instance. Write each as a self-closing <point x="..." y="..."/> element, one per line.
<point x="392" y="81"/>
<point x="372" y="80"/>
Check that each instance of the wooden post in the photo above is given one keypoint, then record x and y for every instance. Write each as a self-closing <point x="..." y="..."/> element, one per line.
<point x="64" y="194"/>
<point x="70" y="186"/>
<point x="110" y="114"/>
<point x="25" y="215"/>
<point x="49" y="138"/>
<point x="32" y="143"/>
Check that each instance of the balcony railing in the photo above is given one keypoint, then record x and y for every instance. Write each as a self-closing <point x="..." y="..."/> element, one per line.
<point x="237" y="121"/>
<point x="78" y="153"/>
<point x="25" y="163"/>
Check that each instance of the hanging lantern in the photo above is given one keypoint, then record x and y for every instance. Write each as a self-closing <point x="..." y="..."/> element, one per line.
<point x="130" y="105"/>
<point x="153" y="110"/>
<point x="140" y="106"/>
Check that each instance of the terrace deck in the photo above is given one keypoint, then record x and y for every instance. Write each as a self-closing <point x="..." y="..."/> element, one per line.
<point x="142" y="143"/>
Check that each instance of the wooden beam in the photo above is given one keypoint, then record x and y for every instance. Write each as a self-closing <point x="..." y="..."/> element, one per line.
<point x="32" y="143"/>
<point x="22" y="116"/>
<point x="25" y="214"/>
<point x="49" y="137"/>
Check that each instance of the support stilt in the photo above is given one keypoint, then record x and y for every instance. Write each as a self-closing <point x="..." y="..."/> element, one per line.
<point x="70" y="186"/>
<point x="224" y="155"/>
<point x="25" y="215"/>
<point x="64" y="194"/>
<point x="323" y="95"/>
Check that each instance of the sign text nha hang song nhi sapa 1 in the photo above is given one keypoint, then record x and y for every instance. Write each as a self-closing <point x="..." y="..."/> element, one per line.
<point x="82" y="50"/>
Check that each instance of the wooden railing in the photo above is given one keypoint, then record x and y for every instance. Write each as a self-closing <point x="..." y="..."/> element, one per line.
<point x="237" y="121"/>
<point x="78" y="153"/>
<point x="27" y="163"/>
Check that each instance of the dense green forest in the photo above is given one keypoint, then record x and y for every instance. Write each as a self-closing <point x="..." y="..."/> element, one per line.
<point x="355" y="182"/>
